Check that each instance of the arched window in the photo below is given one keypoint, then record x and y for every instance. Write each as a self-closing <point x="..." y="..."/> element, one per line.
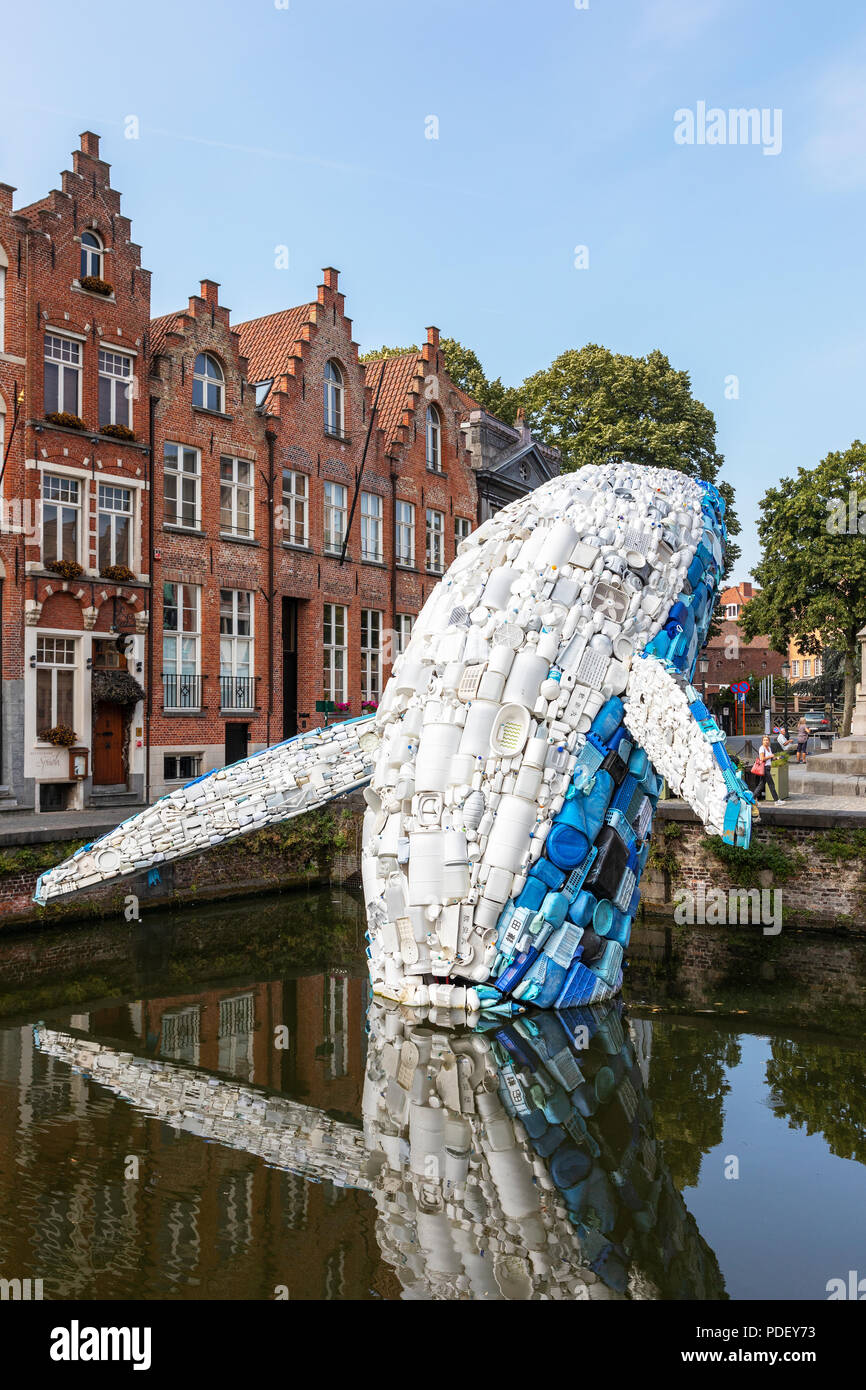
<point x="91" y="255"/>
<point x="434" y="439"/>
<point x="333" y="400"/>
<point x="207" y="383"/>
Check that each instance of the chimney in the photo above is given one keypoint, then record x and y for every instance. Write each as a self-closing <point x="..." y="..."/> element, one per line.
<point x="332" y="278"/>
<point x="520" y="424"/>
<point x="210" y="291"/>
<point x="433" y="337"/>
<point x="746" y="590"/>
<point x="6" y="191"/>
<point x="90" y="144"/>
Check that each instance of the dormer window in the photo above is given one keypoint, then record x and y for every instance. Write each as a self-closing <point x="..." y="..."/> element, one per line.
<point x="434" y="439"/>
<point x="333" y="400"/>
<point x="91" y="255"/>
<point x="208" y="386"/>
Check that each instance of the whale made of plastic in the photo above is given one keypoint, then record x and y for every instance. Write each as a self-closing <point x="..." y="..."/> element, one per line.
<point x="515" y="761"/>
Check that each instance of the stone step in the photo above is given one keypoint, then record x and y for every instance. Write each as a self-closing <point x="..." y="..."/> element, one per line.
<point x="8" y="803"/>
<point x="814" y="781"/>
<point x="831" y="763"/>
<point x="855" y="743"/>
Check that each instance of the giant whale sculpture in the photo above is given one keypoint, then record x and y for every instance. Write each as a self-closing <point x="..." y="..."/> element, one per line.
<point x="515" y="760"/>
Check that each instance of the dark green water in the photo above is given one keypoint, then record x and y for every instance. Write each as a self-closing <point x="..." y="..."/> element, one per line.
<point x="750" y="1099"/>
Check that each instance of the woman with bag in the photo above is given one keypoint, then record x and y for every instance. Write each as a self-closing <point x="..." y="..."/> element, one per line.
<point x="761" y="769"/>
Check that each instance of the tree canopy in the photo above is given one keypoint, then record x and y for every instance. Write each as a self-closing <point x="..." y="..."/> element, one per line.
<point x="812" y="570"/>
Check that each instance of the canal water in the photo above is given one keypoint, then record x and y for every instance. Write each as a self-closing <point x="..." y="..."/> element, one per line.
<point x="183" y="1105"/>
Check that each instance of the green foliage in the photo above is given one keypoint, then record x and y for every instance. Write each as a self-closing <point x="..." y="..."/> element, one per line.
<point x="465" y="370"/>
<point x="661" y="856"/>
<point x="818" y="1087"/>
<point x="376" y="354"/>
<point x="747" y="865"/>
<point x="812" y="573"/>
<point x="842" y="844"/>
<point x="36" y="858"/>
<point x="311" y="839"/>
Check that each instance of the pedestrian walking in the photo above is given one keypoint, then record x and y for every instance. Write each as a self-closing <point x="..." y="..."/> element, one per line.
<point x="762" y="769"/>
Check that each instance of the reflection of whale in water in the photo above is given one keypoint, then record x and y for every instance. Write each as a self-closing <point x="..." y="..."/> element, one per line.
<point x="515" y="758"/>
<point x="514" y="1162"/>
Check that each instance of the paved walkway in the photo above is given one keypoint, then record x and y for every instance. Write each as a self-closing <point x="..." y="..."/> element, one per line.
<point x="40" y="827"/>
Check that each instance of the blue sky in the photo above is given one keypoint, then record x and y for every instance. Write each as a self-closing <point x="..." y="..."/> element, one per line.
<point x="305" y="126"/>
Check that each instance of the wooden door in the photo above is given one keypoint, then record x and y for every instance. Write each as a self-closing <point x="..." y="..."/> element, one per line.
<point x="108" y="745"/>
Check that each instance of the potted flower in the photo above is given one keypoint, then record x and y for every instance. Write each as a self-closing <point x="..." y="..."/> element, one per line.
<point x="370" y="706"/>
<point x="118" y="432"/>
<point x="95" y="285"/>
<point x="60" y="735"/>
<point x="67" y="569"/>
<point x="343" y="706"/>
<point x="66" y="419"/>
<point x="121" y="574"/>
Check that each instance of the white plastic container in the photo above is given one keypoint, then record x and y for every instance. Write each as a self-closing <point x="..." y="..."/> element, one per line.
<point x="524" y="679"/>
<point x="559" y="542"/>
<point x="475" y="740"/>
<point x="498" y="587"/>
<point x="512" y="826"/>
<point x="455" y="875"/>
<point x="426" y="869"/>
<point x="439" y="743"/>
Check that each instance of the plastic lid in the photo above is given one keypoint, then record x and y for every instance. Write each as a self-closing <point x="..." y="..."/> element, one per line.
<point x="509" y="731"/>
<point x="605" y="1084"/>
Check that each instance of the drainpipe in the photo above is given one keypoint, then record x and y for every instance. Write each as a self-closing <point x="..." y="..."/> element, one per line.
<point x="393" y="547"/>
<point x="271" y="438"/>
<point x="148" y="704"/>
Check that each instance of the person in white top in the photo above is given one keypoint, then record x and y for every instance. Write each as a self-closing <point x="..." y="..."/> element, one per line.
<point x="764" y="760"/>
<point x="783" y="740"/>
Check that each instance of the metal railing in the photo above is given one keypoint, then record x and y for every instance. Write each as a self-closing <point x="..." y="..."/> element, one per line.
<point x="181" y="692"/>
<point x="237" y="692"/>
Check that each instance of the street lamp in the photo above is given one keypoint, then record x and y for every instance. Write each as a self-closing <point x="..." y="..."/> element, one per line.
<point x="785" y="672"/>
<point x="704" y="666"/>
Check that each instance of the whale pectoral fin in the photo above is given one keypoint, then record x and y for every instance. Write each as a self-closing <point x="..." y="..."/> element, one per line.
<point x="274" y="785"/>
<point x="664" y="714"/>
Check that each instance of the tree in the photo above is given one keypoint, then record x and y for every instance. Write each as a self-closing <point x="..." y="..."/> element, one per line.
<point x="813" y="572"/>
<point x="376" y="354"/>
<point x="595" y="405"/>
<point x="465" y="370"/>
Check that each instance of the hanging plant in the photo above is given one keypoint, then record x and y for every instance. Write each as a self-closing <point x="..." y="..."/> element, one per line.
<point x="67" y="569"/>
<point x="117" y="686"/>
<point x="95" y="285"/>
<point x="66" y="419"/>
<point x="60" y="735"/>
<point x="370" y="705"/>
<point x="118" y="432"/>
<point x="343" y="706"/>
<point x="121" y="574"/>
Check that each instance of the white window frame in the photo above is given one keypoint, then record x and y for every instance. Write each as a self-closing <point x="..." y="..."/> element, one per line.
<point x="296" y="507"/>
<point x="64" y="365"/>
<point x="117" y="368"/>
<point x="59" y="504"/>
<point x="111" y="511"/>
<point x="235" y="487"/>
<point x="462" y="529"/>
<point x="232" y="641"/>
<point x="180" y="635"/>
<point x="405" y="624"/>
<point x="732" y="611"/>
<point x="807" y="668"/>
<point x="181" y="474"/>
<point x="91" y="255"/>
<point x="434" y="439"/>
<point x="371" y="653"/>
<point x="335" y="507"/>
<point x="435" y="541"/>
<point x="405" y="537"/>
<point x="795" y="668"/>
<point x="335" y="619"/>
<point x="205" y="381"/>
<point x="334" y="399"/>
<point x="56" y="654"/>
<point x="372" y="513"/>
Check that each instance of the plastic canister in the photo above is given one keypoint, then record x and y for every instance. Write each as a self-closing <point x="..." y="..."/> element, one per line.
<point x="498" y="586"/>
<point x="581" y="911"/>
<point x="455" y="876"/>
<point x="475" y="738"/>
<point x="438" y="743"/>
<point x="509" y="837"/>
<point x="559" y="542"/>
<point x="569" y="1165"/>
<point x="606" y="873"/>
<point x="426" y="867"/>
<point x="426" y="1137"/>
<point x="524" y="679"/>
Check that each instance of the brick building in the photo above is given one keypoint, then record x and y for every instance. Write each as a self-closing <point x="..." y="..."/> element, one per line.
<point x="731" y="658"/>
<point x="304" y="505"/>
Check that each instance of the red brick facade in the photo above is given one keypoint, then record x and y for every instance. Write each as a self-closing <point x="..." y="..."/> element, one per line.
<point x="262" y="445"/>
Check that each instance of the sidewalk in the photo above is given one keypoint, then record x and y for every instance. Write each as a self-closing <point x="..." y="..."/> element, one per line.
<point x="42" y="827"/>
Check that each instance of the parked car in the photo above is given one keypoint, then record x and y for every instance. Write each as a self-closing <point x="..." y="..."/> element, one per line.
<point x="818" y="721"/>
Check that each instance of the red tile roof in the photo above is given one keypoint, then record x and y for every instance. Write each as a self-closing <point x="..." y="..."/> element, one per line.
<point x="159" y="330"/>
<point x="394" y="395"/>
<point x="268" y="342"/>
